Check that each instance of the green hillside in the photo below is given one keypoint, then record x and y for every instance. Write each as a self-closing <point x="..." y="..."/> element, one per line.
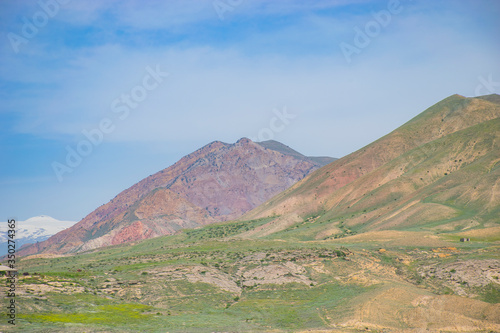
<point x="211" y="279"/>
<point x="370" y="242"/>
<point x="437" y="172"/>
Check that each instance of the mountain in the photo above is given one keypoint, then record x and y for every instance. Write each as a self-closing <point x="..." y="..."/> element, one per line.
<point x="370" y="242"/>
<point x="35" y="229"/>
<point x="284" y="149"/>
<point x="440" y="171"/>
<point x="216" y="183"/>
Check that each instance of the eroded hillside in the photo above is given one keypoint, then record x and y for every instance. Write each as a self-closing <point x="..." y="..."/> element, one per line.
<point x="211" y="279"/>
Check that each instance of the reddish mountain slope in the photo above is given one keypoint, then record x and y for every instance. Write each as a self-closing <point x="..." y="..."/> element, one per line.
<point x="218" y="182"/>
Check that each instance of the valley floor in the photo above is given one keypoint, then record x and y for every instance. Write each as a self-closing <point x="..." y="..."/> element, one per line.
<point x="195" y="282"/>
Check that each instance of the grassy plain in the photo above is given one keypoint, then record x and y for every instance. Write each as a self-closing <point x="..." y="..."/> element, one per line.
<point x="217" y="279"/>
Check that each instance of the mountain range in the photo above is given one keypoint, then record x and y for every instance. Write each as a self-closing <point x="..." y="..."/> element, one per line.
<point x="32" y="230"/>
<point x="218" y="182"/>
<point x="401" y="235"/>
<point x="434" y="172"/>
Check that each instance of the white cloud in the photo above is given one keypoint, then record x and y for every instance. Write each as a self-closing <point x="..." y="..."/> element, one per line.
<point x="216" y="91"/>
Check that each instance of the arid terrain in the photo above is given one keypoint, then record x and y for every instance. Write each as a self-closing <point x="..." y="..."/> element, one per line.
<point x="198" y="282"/>
<point x="400" y="236"/>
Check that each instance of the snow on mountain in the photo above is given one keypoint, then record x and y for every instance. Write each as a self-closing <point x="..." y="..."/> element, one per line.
<point x="35" y="229"/>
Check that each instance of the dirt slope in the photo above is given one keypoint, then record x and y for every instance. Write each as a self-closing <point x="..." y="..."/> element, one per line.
<point x="441" y="167"/>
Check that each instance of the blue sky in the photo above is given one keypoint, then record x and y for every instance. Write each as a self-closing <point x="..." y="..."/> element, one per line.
<point x="232" y="66"/>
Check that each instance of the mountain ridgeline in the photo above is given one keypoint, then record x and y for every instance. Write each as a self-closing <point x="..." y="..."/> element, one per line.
<point x="399" y="236"/>
<point x="439" y="172"/>
<point x="218" y="182"/>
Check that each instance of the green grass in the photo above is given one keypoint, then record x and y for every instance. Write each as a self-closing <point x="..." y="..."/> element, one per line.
<point x="222" y="230"/>
<point x="187" y="306"/>
<point x="490" y="293"/>
<point x="292" y="306"/>
<point x="180" y="305"/>
<point x="295" y="308"/>
<point x="119" y="314"/>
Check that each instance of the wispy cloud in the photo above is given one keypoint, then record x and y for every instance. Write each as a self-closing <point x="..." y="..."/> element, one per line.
<point x="226" y="76"/>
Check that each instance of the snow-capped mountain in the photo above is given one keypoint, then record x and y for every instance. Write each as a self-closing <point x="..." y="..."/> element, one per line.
<point x="35" y="229"/>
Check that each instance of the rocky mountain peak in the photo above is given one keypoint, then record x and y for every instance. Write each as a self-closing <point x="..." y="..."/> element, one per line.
<point x="218" y="182"/>
<point x="244" y="141"/>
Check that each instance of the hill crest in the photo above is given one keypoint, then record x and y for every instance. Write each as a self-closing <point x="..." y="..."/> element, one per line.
<point x="396" y="178"/>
